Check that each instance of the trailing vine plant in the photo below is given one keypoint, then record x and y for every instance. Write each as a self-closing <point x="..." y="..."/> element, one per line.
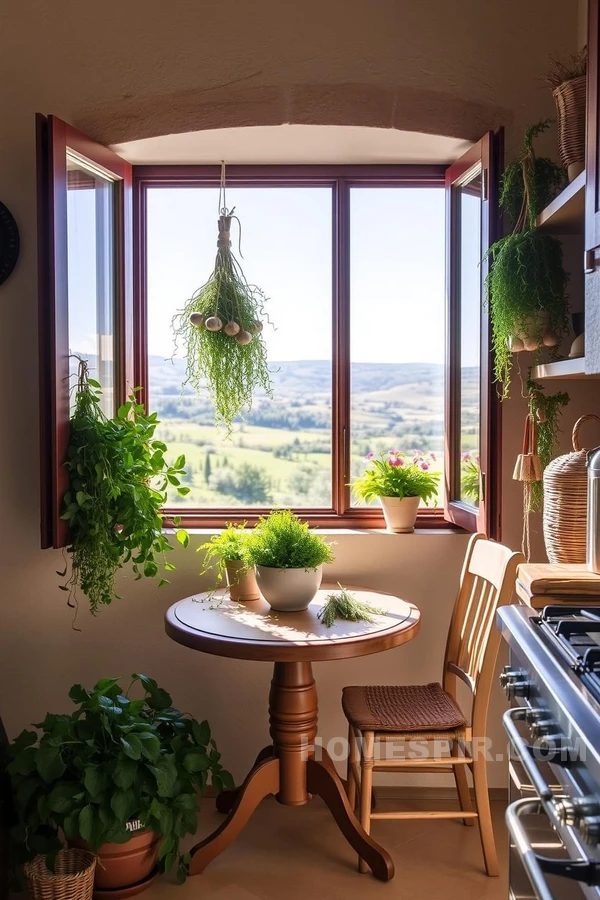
<point x="547" y="411"/>
<point x="527" y="278"/>
<point x="118" y="479"/>
<point x="220" y="328"/>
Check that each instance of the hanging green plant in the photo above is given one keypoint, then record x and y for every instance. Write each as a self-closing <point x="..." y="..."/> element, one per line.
<point x="220" y="328"/>
<point x="527" y="283"/>
<point x="118" y="478"/>
<point x="545" y="179"/>
<point x="547" y="411"/>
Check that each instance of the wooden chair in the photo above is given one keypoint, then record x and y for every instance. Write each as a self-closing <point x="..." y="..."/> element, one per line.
<point x="431" y="713"/>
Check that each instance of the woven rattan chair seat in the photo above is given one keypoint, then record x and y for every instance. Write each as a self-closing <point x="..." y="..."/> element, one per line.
<point x="410" y="708"/>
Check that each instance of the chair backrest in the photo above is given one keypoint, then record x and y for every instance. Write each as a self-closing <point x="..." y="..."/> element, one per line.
<point x="487" y="582"/>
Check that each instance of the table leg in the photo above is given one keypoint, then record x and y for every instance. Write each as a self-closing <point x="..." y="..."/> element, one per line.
<point x="323" y="780"/>
<point x="261" y="782"/>
<point x="289" y="770"/>
<point x="225" y="800"/>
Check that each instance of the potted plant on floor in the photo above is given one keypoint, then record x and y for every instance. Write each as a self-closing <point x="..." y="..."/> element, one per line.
<point x="289" y="560"/>
<point x="399" y="483"/>
<point x="120" y="776"/>
<point x="526" y="286"/>
<point x="229" y="550"/>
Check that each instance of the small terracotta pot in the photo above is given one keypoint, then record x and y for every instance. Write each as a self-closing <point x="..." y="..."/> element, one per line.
<point x="241" y="581"/>
<point x="400" y="514"/>
<point x="122" y="865"/>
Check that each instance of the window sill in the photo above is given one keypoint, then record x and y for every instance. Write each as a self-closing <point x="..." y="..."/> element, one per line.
<point x="346" y="532"/>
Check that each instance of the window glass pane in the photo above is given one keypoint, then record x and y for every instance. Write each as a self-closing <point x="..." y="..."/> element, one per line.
<point x="91" y="274"/>
<point x="397" y="319"/>
<point x="470" y="336"/>
<point x="281" y="453"/>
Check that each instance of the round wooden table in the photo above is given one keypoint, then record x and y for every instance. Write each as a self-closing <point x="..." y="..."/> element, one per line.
<point x="292" y="641"/>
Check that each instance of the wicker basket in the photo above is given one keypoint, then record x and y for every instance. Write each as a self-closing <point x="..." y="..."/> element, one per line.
<point x="565" y="503"/>
<point x="72" y="879"/>
<point x="570" y="107"/>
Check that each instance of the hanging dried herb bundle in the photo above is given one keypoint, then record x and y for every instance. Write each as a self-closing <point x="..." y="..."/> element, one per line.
<point x="220" y="327"/>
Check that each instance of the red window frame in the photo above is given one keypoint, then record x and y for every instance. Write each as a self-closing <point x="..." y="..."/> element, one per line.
<point x="54" y="139"/>
<point x="486" y="157"/>
<point x="340" y="179"/>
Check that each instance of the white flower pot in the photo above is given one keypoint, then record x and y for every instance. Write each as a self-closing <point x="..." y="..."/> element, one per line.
<point x="400" y="514"/>
<point x="288" y="590"/>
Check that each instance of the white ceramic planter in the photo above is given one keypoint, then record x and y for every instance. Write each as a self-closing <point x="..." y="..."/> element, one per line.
<point x="400" y="514"/>
<point x="288" y="590"/>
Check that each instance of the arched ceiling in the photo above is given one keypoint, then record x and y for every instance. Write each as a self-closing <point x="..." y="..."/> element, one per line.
<point x="294" y="144"/>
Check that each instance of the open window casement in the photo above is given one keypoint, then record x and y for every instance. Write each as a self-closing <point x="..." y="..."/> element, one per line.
<point x="85" y="291"/>
<point x="472" y="440"/>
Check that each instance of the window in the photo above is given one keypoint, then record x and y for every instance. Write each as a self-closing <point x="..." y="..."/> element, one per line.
<point x="353" y="262"/>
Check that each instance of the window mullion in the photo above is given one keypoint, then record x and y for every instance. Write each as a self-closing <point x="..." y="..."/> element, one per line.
<point x="341" y="346"/>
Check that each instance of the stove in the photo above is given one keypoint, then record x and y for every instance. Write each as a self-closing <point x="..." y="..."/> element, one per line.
<point x="553" y="682"/>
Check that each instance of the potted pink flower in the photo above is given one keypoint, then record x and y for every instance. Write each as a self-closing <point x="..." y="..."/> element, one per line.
<point x="400" y="482"/>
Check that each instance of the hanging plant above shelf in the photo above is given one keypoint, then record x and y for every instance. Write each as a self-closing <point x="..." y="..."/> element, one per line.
<point x="527" y="284"/>
<point x="221" y="330"/>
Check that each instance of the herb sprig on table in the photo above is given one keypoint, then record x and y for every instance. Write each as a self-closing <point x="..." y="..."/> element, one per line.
<point x="344" y="605"/>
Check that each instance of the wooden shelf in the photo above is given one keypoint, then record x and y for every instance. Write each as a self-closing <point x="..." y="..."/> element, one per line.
<point x="565" y="215"/>
<point x="564" y="369"/>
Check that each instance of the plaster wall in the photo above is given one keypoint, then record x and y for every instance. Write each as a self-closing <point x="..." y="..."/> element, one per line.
<point x="145" y="68"/>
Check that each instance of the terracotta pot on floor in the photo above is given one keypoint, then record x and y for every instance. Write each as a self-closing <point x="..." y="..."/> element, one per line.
<point x="124" y="865"/>
<point x="241" y="581"/>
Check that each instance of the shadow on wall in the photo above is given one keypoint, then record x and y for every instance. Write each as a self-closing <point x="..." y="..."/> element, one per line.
<point x="241" y="105"/>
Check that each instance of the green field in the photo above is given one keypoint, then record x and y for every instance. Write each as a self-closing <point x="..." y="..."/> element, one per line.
<point x="281" y="453"/>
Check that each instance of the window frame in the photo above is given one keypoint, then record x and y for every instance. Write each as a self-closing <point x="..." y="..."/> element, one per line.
<point x="486" y="155"/>
<point x="54" y="139"/>
<point x="341" y="179"/>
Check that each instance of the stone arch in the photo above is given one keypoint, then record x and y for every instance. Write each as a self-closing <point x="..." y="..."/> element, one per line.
<point x="243" y="105"/>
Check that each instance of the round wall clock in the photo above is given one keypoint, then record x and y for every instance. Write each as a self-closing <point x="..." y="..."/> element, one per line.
<point x="9" y="243"/>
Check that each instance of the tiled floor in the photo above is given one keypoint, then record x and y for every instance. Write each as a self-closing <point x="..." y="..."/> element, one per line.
<point x="295" y="854"/>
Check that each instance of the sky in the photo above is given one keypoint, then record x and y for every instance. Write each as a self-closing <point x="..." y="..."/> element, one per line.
<point x="397" y="267"/>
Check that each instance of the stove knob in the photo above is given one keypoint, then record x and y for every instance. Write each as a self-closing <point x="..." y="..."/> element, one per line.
<point x="515" y="682"/>
<point x="543" y="727"/>
<point x="534" y="715"/>
<point x="589" y="826"/>
<point x="566" y="812"/>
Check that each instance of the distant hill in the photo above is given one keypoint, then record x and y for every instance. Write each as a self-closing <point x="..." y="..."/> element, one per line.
<point x="314" y="376"/>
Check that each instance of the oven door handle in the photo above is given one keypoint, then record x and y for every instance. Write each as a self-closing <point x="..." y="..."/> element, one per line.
<point x="509" y="719"/>
<point x="526" y="852"/>
<point x="582" y="870"/>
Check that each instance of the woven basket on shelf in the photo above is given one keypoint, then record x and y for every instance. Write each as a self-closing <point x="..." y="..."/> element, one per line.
<point x="72" y="879"/>
<point x="570" y="107"/>
<point x="565" y="503"/>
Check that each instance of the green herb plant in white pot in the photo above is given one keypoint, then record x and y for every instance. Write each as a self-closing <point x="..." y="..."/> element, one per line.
<point x="400" y="484"/>
<point x="289" y="560"/>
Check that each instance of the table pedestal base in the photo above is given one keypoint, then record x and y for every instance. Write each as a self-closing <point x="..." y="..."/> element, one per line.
<point x="289" y="770"/>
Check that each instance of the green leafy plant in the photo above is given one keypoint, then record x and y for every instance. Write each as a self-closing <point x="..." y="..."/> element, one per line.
<point x="231" y="545"/>
<point x="545" y="179"/>
<point x="87" y="774"/>
<point x="395" y="475"/>
<point x="220" y="327"/>
<point x="526" y="286"/>
<point x="118" y="477"/>
<point x="547" y="410"/>
<point x="283" y="541"/>
<point x="469" y="476"/>
<point x="344" y="605"/>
